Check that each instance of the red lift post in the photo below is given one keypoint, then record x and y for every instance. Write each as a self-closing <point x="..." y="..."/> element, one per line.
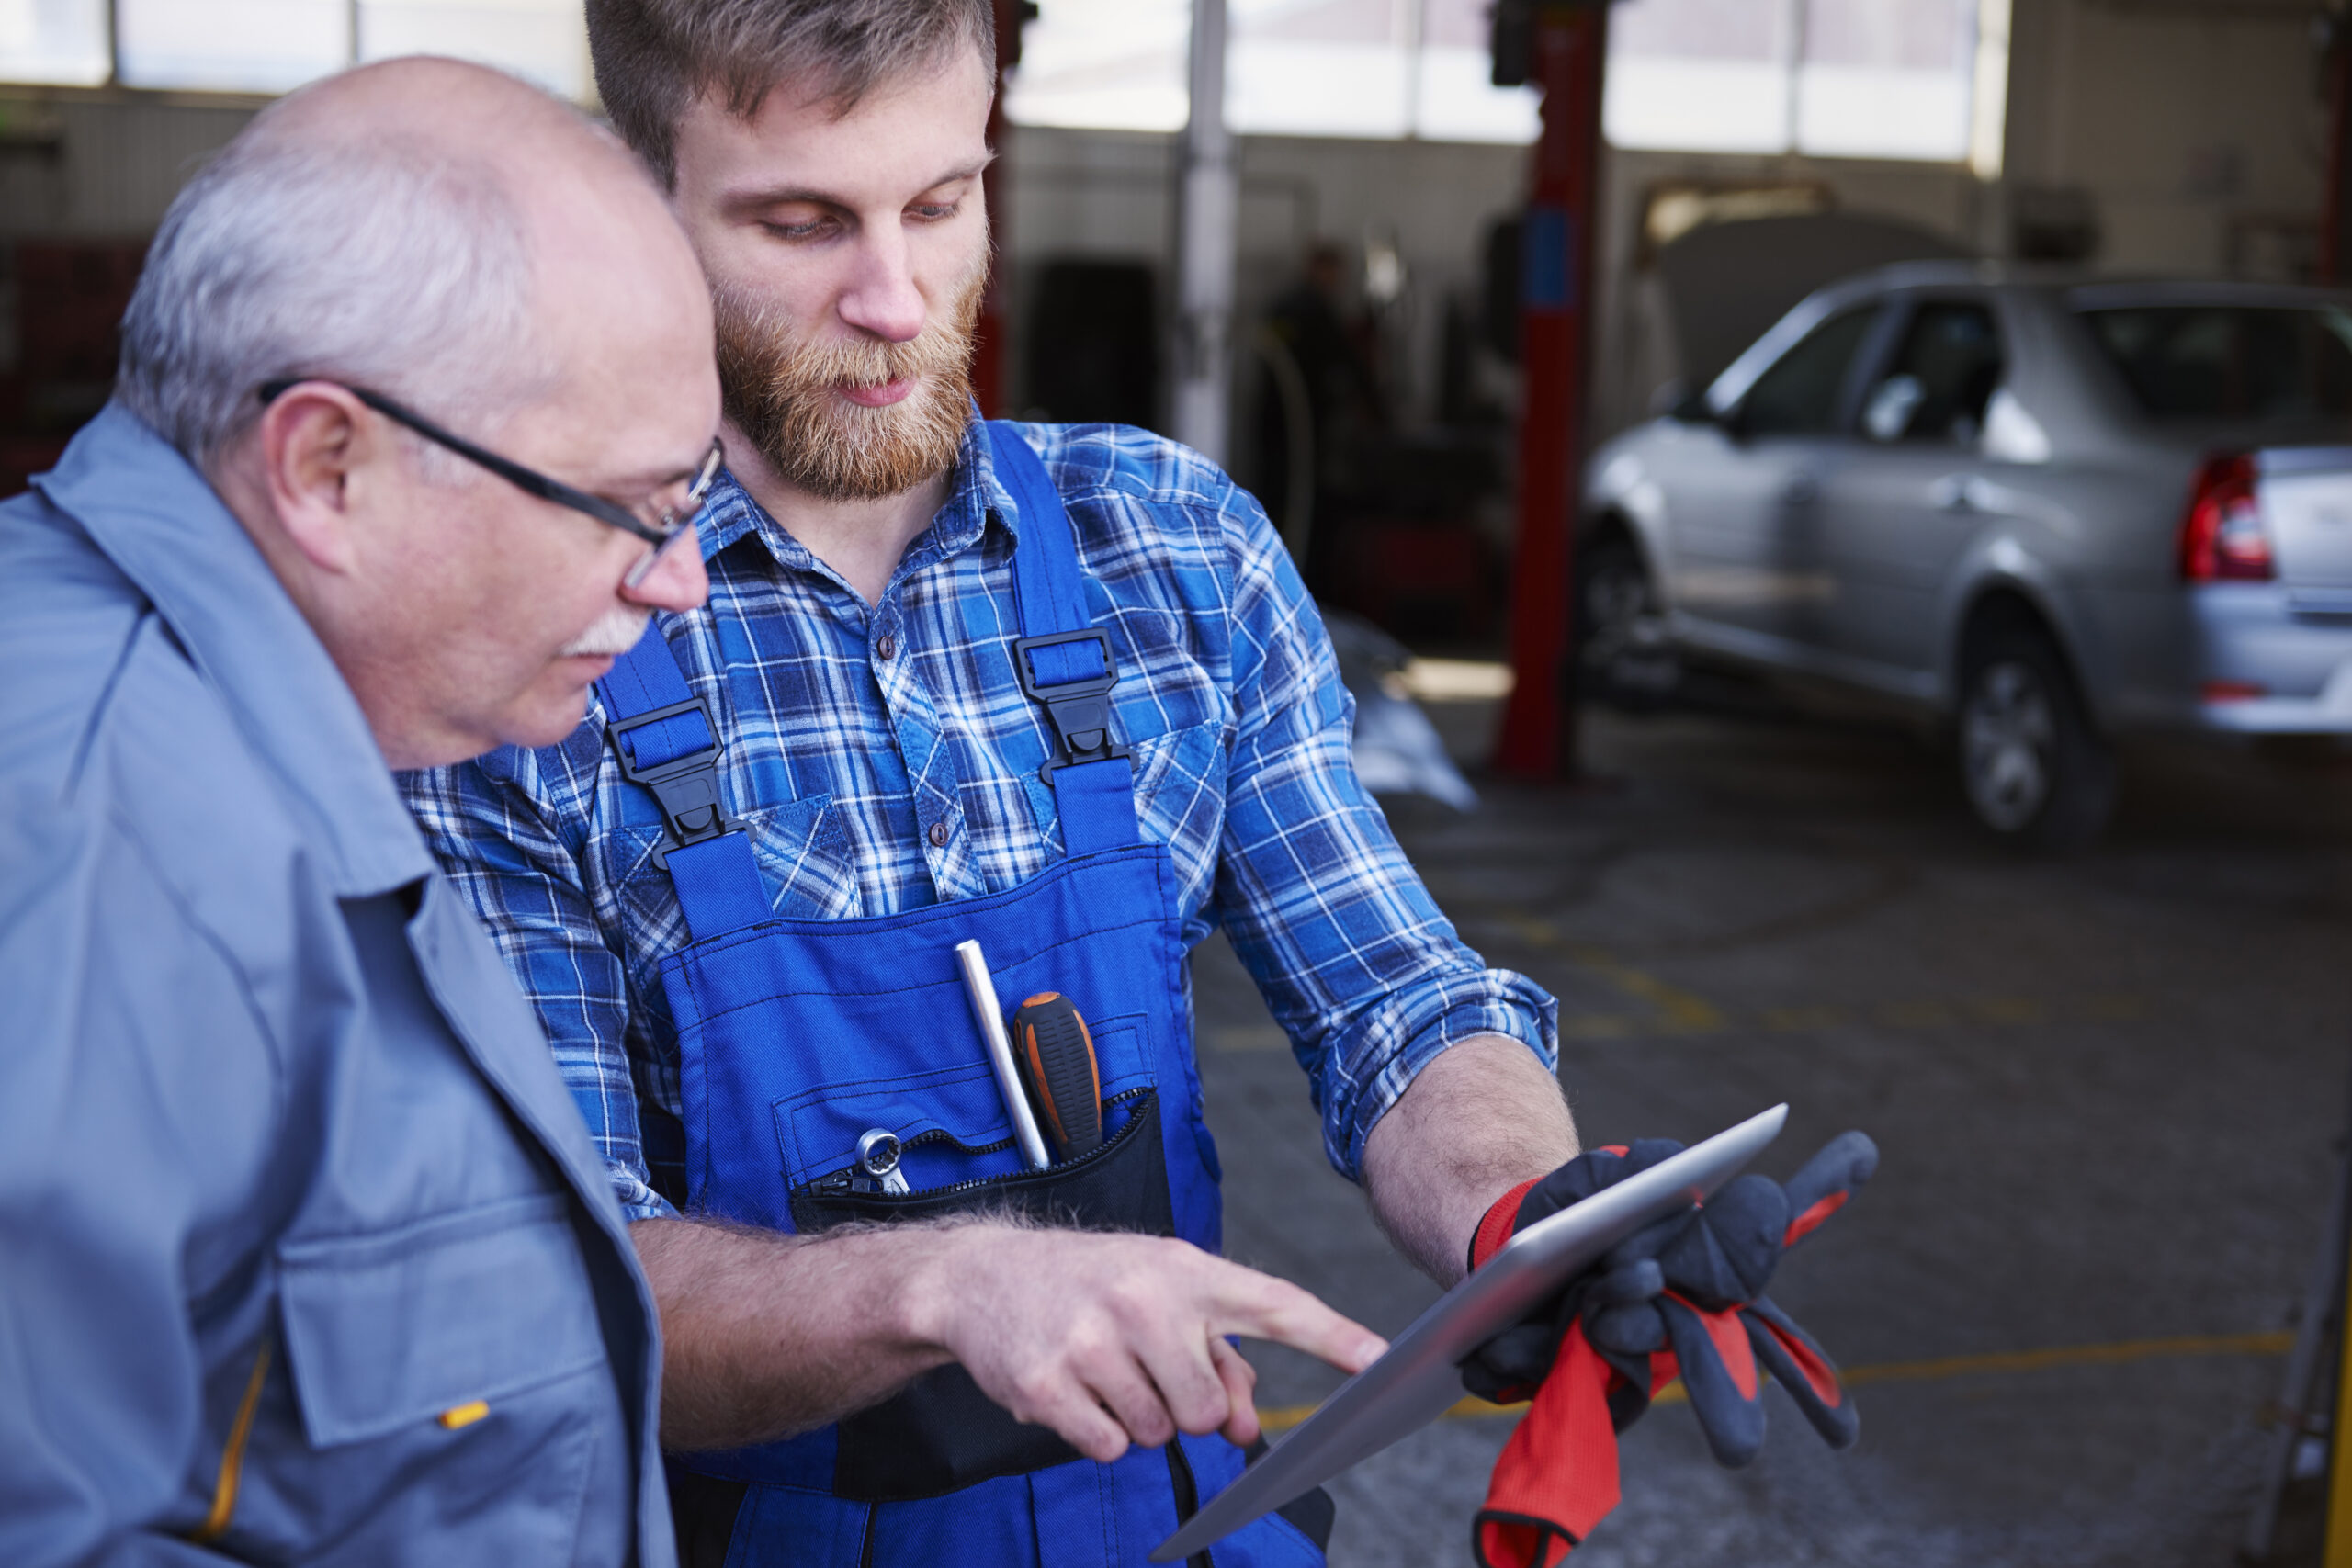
<point x="1562" y="48"/>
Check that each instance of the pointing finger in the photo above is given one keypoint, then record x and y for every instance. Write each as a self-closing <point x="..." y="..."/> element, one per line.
<point x="1266" y="1308"/>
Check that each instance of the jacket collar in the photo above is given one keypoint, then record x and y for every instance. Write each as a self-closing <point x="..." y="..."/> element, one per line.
<point x="153" y="515"/>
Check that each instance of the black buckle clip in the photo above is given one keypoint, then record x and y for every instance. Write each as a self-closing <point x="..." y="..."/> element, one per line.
<point x="1078" y="710"/>
<point x="686" y="788"/>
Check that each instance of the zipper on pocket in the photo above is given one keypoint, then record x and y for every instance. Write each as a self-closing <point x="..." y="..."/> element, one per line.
<point x="851" y="1180"/>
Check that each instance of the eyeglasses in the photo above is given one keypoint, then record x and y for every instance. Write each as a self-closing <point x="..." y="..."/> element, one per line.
<point x="658" y="525"/>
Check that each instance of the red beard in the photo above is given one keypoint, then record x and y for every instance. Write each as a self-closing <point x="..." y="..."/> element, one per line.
<point x="784" y="397"/>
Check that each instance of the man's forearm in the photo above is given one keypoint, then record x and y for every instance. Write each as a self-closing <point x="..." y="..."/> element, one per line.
<point x="765" y="1335"/>
<point x="1480" y="1119"/>
<point x="1107" y="1338"/>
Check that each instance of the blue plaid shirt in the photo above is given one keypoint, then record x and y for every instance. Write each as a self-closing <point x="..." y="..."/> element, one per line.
<point x="883" y="758"/>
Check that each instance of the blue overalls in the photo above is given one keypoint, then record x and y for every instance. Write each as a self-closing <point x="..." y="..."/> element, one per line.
<point x="797" y="1037"/>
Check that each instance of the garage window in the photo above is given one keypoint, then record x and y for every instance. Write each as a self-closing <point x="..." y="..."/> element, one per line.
<point x="1369" y="68"/>
<point x="64" y="41"/>
<point x="1920" y="79"/>
<point x="273" y="46"/>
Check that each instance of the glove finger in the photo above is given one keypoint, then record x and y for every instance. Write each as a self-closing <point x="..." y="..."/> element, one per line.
<point x="1635" y="1282"/>
<point x="1652" y="1239"/>
<point x="1637" y="1383"/>
<point x="1631" y="1329"/>
<point x="1719" y="1375"/>
<point x="1480" y="1381"/>
<point x="1520" y="1355"/>
<point x="1802" y="1367"/>
<point x="1749" y="1220"/>
<point x="1699" y="1268"/>
<point x="1827" y="1180"/>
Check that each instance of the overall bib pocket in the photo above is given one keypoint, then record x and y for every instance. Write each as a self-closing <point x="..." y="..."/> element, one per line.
<point x="941" y="1433"/>
<point x="1122" y="1186"/>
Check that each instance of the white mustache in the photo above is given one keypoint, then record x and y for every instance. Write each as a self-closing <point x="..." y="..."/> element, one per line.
<point x="615" y="632"/>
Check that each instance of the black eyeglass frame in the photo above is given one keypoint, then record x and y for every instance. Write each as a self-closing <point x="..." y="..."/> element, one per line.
<point x="533" y="482"/>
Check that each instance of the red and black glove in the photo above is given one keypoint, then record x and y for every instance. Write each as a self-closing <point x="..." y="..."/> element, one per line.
<point x="1683" y="1297"/>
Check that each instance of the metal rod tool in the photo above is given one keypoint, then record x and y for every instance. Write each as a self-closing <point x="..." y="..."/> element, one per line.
<point x="989" y="1014"/>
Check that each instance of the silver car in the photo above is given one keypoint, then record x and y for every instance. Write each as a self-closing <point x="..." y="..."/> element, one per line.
<point x="2038" y="513"/>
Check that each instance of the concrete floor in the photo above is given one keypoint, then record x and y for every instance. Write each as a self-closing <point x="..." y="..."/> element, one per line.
<point x="2106" y="1090"/>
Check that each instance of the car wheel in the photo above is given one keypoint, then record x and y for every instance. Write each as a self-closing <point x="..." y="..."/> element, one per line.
<point x="1624" y="656"/>
<point x="2035" y="771"/>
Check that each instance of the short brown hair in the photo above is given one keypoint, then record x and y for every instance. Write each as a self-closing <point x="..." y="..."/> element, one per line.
<point x="654" y="58"/>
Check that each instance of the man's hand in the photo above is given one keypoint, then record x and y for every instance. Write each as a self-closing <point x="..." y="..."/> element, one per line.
<point x="1107" y="1339"/>
<point x="1112" y="1339"/>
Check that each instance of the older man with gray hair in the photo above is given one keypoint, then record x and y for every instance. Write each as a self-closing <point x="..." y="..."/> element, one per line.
<point x="309" y="1255"/>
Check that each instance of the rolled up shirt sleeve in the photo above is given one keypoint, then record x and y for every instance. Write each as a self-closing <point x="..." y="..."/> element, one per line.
<point x="1355" y="961"/>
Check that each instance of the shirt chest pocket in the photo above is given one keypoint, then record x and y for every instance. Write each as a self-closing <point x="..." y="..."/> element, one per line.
<point x="801" y="847"/>
<point x="421" y="1326"/>
<point x="1180" y="789"/>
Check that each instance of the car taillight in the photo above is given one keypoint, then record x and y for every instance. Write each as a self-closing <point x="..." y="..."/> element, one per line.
<point x="2221" y="538"/>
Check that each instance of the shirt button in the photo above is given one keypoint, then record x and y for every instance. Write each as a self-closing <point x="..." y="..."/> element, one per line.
<point x="888" y="647"/>
<point x="939" y="835"/>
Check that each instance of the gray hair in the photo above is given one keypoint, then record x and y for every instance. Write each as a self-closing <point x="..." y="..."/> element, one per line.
<point x="390" y="264"/>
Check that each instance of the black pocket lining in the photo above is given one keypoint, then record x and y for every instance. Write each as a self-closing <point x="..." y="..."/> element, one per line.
<point x="941" y="1433"/>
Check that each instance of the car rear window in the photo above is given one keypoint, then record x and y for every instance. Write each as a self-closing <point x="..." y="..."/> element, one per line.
<point x="2283" y="362"/>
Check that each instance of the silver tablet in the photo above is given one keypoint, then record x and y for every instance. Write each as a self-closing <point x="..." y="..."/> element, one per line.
<point x="1420" y="1377"/>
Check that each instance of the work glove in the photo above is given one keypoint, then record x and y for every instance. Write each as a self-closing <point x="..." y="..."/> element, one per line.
<point x="1681" y="1297"/>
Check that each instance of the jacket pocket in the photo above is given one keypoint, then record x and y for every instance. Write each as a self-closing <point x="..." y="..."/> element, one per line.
<point x="400" y="1327"/>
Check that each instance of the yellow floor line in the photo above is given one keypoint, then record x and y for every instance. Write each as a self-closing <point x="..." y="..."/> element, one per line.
<point x="2274" y="1342"/>
<point x="1676" y="1012"/>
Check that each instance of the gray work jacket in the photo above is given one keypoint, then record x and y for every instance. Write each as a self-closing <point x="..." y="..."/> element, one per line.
<point x="305" y="1255"/>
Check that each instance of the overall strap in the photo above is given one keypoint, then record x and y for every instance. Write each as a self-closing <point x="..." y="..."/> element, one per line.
<point x="1063" y="659"/>
<point x="662" y="736"/>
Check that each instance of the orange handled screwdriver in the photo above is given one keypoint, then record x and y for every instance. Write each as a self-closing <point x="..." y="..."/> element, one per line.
<point x="1057" y="1058"/>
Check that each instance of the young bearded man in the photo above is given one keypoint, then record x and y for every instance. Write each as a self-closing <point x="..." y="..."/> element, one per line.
<point x="736" y="892"/>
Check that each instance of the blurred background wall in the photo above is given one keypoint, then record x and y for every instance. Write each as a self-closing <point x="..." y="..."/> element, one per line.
<point x="1380" y="175"/>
